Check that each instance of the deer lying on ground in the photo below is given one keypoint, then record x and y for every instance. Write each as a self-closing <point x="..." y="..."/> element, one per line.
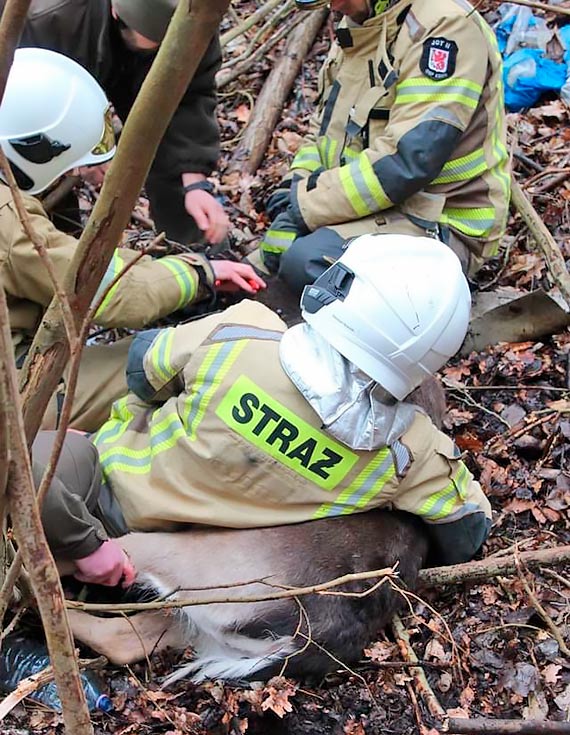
<point x="239" y="641"/>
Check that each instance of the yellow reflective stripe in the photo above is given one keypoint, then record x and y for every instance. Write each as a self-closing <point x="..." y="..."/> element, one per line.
<point x="350" y="155"/>
<point x="328" y="148"/>
<point x="407" y="97"/>
<point x="277" y="241"/>
<point x="166" y="432"/>
<point x="163" y="436"/>
<point x="219" y="359"/>
<point x="184" y="279"/>
<point x="159" y="355"/>
<point x="362" y="187"/>
<point x="308" y="158"/>
<point x="464" y="168"/>
<point x="116" y="424"/>
<point x="420" y="89"/>
<point x="467" y="84"/>
<point x="113" y="269"/>
<point x="366" y="486"/>
<point x="476" y="222"/>
<point x="441" y="504"/>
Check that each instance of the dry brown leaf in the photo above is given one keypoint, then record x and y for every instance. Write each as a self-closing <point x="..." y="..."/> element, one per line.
<point x="434" y="649"/>
<point x="381" y="651"/>
<point x="278" y="691"/>
<point x="550" y="673"/>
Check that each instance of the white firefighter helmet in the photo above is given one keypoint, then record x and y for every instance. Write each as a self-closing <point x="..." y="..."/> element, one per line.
<point x="396" y="306"/>
<point x="54" y="116"/>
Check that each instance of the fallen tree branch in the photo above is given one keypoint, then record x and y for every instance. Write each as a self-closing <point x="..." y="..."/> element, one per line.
<point x="460" y="726"/>
<point x="556" y="9"/>
<point x="550" y="624"/>
<point x="249" y="22"/>
<point x="258" y="131"/>
<point x="475" y="571"/>
<point x="545" y="241"/>
<point x="422" y="684"/>
<point x="382" y="574"/>
<point x="226" y="76"/>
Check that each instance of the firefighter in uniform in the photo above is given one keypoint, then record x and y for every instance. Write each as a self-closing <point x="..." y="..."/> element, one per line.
<point x="116" y="41"/>
<point x="53" y="119"/>
<point x="408" y="137"/>
<point x="237" y="421"/>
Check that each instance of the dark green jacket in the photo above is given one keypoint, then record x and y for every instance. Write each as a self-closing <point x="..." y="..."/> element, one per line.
<point x="85" y="31"/>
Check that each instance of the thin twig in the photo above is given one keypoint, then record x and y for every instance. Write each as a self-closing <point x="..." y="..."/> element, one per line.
<point x="283" y="594"/>
<point x="542" y="612"/>
<point x="41" y="249"/>
<point x="249" y="22"/>
<point x="556" y="9"/>
<point x="425" y="690"/>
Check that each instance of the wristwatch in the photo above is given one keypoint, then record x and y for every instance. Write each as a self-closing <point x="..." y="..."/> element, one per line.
<point x="204" y="185"/>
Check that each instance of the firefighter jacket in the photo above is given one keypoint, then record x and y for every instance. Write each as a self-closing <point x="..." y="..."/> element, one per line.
<point x="214" y="432"/>
<point x="150" y="289"/>
<point x="85" y="31"/>
<point x="410" y="115"/>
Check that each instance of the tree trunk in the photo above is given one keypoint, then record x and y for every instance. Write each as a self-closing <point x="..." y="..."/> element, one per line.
<point x="34" y="548"/>
<point x="11" y="26"/>
<point x="251" y="149"/>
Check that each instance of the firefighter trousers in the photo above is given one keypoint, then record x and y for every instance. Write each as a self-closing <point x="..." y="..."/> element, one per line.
<point x="101" y="381"/>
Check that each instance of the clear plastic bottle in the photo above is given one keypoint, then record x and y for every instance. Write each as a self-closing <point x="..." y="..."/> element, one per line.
<point x="21" y="657"/>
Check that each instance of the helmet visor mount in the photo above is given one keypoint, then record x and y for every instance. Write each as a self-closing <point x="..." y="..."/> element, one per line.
<point x="107" y="142"/>
<point x="333" y="284"/>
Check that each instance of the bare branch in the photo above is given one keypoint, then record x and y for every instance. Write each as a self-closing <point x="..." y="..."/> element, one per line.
<point x="35" y="550"/>
<point x="41" y="249"/>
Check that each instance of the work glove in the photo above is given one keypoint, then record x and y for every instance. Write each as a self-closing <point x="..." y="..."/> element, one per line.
<point x="278" y="238"/>
<point x="280" y="199"/>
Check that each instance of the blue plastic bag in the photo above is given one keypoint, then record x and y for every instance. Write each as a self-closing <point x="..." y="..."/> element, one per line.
<point x="536" y="75"/>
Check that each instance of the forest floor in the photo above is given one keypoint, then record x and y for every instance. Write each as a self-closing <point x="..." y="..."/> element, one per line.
<point x="486" y="648"/>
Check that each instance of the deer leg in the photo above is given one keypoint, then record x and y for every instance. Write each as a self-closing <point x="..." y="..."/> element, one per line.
<point x="124" y="640"/>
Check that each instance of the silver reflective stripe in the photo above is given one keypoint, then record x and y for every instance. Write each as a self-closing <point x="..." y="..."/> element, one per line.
<point x="238" y="331"/>
<point x="415" y="28"/>
<point x="465" y="509"/>
<point x="402" y="457"/>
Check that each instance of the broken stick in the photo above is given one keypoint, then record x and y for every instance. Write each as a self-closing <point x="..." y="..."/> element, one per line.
<point x="545" y="241"/>
<point x="475" y="571"/>
<point x="258" y="132"/>
<point x="478" y="726"/>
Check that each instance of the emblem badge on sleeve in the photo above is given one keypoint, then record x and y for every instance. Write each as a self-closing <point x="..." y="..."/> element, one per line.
<point x="438" y="58"/>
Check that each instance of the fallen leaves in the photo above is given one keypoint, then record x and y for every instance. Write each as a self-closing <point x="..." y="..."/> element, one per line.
<point x="278" y="691"/>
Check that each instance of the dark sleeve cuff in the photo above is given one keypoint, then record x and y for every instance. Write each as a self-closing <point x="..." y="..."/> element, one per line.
<point x="137" y="381"/>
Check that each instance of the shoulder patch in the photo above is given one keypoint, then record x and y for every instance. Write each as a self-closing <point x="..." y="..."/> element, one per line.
<point x="438" y="58"/>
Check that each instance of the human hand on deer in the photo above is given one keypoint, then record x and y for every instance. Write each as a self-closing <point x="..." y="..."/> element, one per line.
<point x="108" y="566"/>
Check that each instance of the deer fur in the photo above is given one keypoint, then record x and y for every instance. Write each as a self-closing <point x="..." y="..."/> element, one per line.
<point x="240" y="641"/>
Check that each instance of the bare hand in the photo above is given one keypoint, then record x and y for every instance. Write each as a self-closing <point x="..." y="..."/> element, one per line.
<point x="108" y="565"/>
<point x="208" y="214"/>
<point x="232" y="276"/>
